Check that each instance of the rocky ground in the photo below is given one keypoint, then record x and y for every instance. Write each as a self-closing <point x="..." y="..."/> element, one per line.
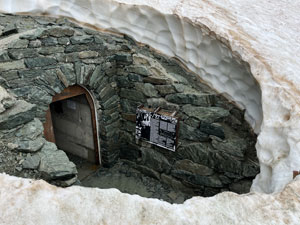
<point x="16" y="163"/>
<point x="124" y="177"/>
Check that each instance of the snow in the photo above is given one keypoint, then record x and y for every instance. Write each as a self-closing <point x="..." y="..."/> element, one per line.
<point x="264" y="34"/>
<point x="30" y="202"/>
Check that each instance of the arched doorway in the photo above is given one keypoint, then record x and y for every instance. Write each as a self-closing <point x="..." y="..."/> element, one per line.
<point x="71" y="123"/>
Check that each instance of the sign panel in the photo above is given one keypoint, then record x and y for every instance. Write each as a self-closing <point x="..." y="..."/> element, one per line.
<point x="157" y="128"/>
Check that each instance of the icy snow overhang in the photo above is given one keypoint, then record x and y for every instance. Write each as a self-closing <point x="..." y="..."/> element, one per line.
<point x="263" y="34"/>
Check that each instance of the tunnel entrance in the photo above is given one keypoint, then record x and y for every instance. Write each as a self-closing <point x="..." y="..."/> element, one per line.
<point x="71" y="124"/>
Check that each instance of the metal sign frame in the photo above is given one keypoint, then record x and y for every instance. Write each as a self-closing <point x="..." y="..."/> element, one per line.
<point x="157" y="127"/>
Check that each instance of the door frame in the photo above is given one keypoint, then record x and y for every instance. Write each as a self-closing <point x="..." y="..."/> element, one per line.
<point x="70" y="92"/>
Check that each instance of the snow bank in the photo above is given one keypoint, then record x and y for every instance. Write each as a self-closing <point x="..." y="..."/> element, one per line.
<point x="30" y="202"/>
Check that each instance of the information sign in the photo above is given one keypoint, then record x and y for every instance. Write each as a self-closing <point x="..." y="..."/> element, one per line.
<point x="157" y="128"/>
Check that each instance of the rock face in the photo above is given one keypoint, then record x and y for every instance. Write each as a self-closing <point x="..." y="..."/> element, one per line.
<point x="37" y="202"/>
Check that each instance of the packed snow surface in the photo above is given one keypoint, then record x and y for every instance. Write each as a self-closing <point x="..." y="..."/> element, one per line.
<point x="30" y="202"/>
<point x="264" y="34"/>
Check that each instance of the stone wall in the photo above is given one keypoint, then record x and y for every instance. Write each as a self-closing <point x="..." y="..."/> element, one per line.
<point x="41" y="56"/>
<point x="216" y="146"/>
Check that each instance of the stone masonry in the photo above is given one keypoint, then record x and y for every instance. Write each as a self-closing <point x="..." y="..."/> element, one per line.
<point x="41" y="56"/>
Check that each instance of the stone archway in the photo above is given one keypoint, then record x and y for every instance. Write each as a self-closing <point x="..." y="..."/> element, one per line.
<point x="89" y="143"/>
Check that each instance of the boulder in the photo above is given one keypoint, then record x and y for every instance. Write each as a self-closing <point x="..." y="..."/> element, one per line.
<point x="55" y="164"/>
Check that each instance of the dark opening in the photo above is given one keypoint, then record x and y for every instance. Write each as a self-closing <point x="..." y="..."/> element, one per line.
<point x="72" y="127"/>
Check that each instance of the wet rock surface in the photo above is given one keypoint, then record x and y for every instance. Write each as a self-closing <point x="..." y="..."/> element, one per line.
<point x="132" y="180"/>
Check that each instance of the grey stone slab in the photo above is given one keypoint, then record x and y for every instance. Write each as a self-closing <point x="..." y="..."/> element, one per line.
<point x="22" y="53"/>
<point x="21" y="113"/>
<point x="227" y="163"/>
<point x="199" y="153"/>
<point x="194" y="168"/>
<point x="63" y="41"/>
<point x="31" y="162"/>
<point x="147" y="89"/>
<point x="123" y="58"/>
<point x="51" y="50"/>
<point x="40" y="62"/>
<point x="60" y="31"/>
<point x="18" y="43"/>
<point x="76" y="48"/>
<point x="84" y="39"/>
<point x="33" y="35"/>
<point x="69" y="74"/>
<point x="204" y="100"/>
<point x="4" y="57"/>
<point x="30" y="73"/>
<point x="35" y="44"/>
<point x="250" y="169"/>
<point x="155" y="160"/>
<point x="212" y="129"/>
<point x="161" y="102"/>
<point x="235" y="147"/>
<point x="148" y="172"/>
<point x="12" y="65"/>
<point x="191" y="133"/>
<point x="111" y="102"/>
<point x="123" y="82"/>
<point x="56" y="165"/>
<point x="10" y="29"/>
<point x="88" y="54"/>
<point x="30" y="145"/>
<point x="49" y="41"/>
<point x="207" y="114"/>
<point x="156" y="80"/>
<point x="132" y="94"/>
<point x="241" y="187"/>
<point x="139" y="70"/>
<point x="135" y="77"/>
<point x="194" y="179"/>
<point x="165" y="89"/>
<point x="31" y="130"/>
